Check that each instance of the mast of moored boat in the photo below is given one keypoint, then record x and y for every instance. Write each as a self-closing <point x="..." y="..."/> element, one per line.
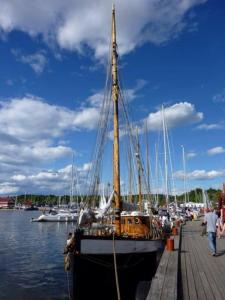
<point x="139" y="173"/>
<point x="115" y="97"/>
<point x="165" y="158"/>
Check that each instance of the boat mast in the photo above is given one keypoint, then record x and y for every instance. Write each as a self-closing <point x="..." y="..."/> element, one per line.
<point x="157" y="176"/>
<point x="147" y="157"/>
<point x="139" y="174"/>
<point x="130" y="198"/>
<point x="72" y="181"/>
<point x="184" y="170"/>
<point x="165" y="158"/>
<point x="115" y="96"/>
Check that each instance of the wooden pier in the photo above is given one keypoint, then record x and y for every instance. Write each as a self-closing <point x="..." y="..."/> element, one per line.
<point x="190" y="272"/>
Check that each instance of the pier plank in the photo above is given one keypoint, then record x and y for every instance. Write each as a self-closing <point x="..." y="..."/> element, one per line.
<point x="169" y="286"/>
<point x="191" y="273"/>
<point x="164" y="284"/>
<point x="201" y="273"/>
<point x="197" y="278"/>
<point x="183" y="285"/>
<point x="158" y="280"/>
<point x="213" y="274"/>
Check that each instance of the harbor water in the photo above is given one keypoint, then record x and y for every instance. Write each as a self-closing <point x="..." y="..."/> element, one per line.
<point x="31" y="257"/>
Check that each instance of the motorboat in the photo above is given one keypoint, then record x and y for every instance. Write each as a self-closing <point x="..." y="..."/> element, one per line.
<point x="54" y="216"/>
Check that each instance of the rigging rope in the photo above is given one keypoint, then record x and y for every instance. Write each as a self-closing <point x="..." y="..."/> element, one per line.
<point x="115" y="268"/>
<point x="68" y="286"/>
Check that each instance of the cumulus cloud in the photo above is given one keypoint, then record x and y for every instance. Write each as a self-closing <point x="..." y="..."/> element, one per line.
<point x="31" y="131"/>
<point x="216" y="150"/>
<point x="47" y="181"/>
<point x="179" y="114"/>
<point x="86" y="118"/>
<point x="200" y="174"/>
<point x="139" y="22"/>
<point x="211" y="126"/>
<point x="31" y="118"/>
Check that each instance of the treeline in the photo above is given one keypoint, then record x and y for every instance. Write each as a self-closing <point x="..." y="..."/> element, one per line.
<point x="49" y="200"/>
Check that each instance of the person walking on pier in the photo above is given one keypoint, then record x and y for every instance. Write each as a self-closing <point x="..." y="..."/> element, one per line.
<point x="211" y="220"/>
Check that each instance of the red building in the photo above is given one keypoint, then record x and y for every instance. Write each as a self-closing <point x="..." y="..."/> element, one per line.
<point x="6" y="202"/>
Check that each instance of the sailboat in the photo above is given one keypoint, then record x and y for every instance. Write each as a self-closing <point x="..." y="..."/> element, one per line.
<point x="118" y="261"/>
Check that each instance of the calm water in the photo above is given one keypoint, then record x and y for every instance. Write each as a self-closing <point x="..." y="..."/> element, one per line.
<point x="31" y="259"/>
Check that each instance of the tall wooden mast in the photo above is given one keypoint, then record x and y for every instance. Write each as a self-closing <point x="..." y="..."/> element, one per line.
<point x="115" y="96"/>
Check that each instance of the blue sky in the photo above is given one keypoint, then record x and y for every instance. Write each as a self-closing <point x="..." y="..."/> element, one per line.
<point x="52" y="75"/>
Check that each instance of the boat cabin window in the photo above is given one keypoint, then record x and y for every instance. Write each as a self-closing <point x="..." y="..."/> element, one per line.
<point x="129" y="221"/>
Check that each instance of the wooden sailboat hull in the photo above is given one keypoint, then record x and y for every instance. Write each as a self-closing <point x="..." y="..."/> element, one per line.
<point x="94" y="272"/>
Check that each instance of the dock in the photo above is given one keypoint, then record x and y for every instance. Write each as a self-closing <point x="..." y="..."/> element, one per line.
<point x="190" y="272"/>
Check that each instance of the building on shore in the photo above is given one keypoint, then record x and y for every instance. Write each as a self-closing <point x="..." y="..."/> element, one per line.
<point x="6" y="202"/>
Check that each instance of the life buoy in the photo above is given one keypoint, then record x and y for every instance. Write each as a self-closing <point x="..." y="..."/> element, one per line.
<point x="136" y="221"/>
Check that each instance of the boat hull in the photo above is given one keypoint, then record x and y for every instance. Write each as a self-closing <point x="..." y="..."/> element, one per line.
<point x="93" y="267"/>
<point x="56" y="218"/>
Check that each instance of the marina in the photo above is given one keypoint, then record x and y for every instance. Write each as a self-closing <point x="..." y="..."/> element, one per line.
<point x="31" y="264"/>
<point x="112" y="178"/>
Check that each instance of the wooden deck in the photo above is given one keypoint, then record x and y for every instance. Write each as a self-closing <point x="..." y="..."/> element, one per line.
<point x="164" y="283"/>
<point x="201" y="276"/>
<point x="190" y="272"/>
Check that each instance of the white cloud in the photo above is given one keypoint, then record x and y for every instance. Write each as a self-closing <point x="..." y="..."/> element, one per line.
<point x="37" y="61"/>
<point x="7" y="189"/>
<point x="18" y="177"/>
<point x="86" y="118"/>
<point x="200" y="174"/>
<point x="60" y="21"/>
<point x="216" y="150"/>
<point x="179" y="114"/>
<point x="85" y="168"/>
<point x="31" y="118"/>
<point x="48" y="181"/>
<point x="176" y="115"/>
<point x="131" y="94"/>
<point x="220" y="97"/>
<point x="31" y="132"/>
<point x="211" y="126"/>
<point x="191" y="154"/>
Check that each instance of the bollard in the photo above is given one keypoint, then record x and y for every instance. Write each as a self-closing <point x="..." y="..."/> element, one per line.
<point x="170" y="244"/>
<point x="175" y="231"/>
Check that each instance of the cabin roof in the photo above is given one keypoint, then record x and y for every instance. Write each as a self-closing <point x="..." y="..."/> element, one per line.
<point x="133" y="214"/>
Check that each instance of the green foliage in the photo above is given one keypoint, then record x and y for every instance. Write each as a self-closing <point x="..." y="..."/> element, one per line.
<point x="45" y="200"/>
<point x="49" y="200"/>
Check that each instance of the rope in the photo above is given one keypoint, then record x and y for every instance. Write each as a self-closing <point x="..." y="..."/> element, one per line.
<point x="68" y="286"/>
<point x="115" y="268"/>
